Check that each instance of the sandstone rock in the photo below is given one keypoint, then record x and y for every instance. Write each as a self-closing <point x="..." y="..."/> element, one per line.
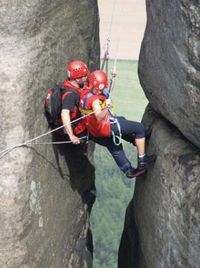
<point x="166" y="204"/>
<point x="42" y="214"/>
<point x="169" y="63"/>
<point x="162" y="221"/>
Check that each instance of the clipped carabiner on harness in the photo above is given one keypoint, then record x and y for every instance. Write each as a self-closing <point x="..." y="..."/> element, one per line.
<point x="117" y="139"/>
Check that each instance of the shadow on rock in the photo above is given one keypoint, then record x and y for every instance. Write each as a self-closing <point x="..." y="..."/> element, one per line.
<point x="81" y="170"/>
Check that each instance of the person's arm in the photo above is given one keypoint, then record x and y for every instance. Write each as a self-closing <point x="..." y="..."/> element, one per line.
<point x="65" y="116"/>
<point x="99" y="113"/>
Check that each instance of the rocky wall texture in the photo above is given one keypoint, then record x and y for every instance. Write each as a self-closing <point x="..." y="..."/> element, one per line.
<point x="45" y="191"/>
<point x="163" y="216"/>
<point x="162" y="221"/>
<point x="169" y="66"/>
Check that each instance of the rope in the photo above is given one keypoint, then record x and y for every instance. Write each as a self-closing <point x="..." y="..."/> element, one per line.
<point x="117" y="139"/>
<point x="106" y="54"/>
<point x="114" y="68"/>
<point x="112" y="16"/>
<point x="4" y="152"/>
<point x="55" y="142"/>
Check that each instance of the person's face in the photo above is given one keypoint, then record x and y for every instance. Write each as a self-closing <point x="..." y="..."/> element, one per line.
<point x="96" y="91"/>
<point x="81" y="81"/>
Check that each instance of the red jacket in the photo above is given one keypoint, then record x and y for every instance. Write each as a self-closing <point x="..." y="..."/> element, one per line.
<point x="95" y="127"/>
<point x="79" y="126"/>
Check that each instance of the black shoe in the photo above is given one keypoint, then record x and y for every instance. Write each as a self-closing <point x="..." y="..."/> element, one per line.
<point x="144" y="161"/>
<point x="134" y="172"/>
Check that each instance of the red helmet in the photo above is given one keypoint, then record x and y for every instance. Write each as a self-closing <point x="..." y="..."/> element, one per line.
<point x="77" y="69"/>
<point x="98" y="79"/>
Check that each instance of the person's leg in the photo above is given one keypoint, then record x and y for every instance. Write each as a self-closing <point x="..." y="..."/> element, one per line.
<point x="135" y="132"/>
<point x="140" y="145"/>
<point x="131" y="131"/>
<point x="117" y="153"/>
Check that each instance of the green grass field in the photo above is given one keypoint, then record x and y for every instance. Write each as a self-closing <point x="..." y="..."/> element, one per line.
<point x="113" y="195"/>
<point x="128" y="96"/>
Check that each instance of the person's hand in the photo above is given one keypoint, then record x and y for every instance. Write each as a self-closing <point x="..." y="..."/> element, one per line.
<point x="74" y="140"/>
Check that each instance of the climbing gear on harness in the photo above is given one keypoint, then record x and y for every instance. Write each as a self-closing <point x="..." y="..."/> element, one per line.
<point x="98" y="80"/>
<point x="77" y="69"/>
<point x="117" y="138"/>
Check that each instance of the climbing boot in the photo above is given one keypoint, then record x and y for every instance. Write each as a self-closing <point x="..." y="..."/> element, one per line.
<point x="144" y="161"/>
<point x="134" y="172"/>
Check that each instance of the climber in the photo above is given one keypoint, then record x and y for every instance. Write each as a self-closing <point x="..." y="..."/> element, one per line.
<point x="103" y="124"/>
<point x="75" y="84"/>
<point x="77" y="73"/>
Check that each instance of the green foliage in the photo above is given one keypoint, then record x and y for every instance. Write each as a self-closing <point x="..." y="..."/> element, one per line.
<point x="113" y="195"/>
<point x="128" y="96"/>
<point x="109" y="210"/>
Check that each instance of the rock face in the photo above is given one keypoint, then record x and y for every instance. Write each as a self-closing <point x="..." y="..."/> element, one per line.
<point x="45" y="192"/>
<point x="170" y="63"/>
<point x="163" y="216"/>
<point x="162" y="221"/>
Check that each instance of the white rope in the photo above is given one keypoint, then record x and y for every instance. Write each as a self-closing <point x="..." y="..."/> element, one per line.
<point x="112" y="16"/>
<point x="4" y="152"/>
<point x="55" y="142"/>
<point x="118" y="40"/>
<point x="106" y="53"/>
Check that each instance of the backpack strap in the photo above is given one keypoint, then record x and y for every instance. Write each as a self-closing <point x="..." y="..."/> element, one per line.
<point x="65" y="92"/>
<point x="84" y="109"/>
